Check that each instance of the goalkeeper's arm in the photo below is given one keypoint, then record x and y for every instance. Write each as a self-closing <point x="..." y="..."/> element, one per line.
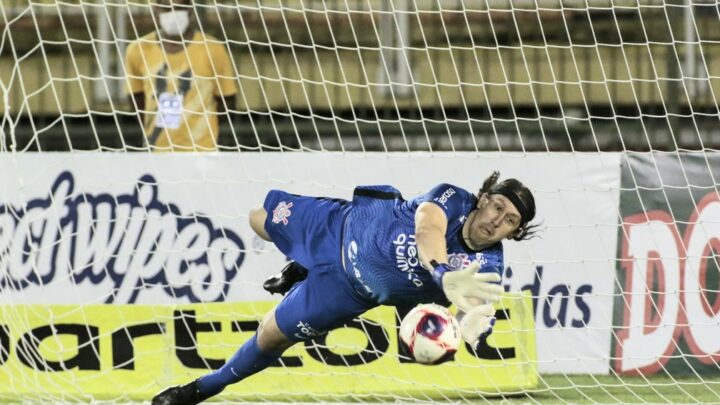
<point x="465" y="287"/>
<point x="430" y="228"/>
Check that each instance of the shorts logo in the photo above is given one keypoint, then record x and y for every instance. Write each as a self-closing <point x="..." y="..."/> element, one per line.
<point x="306" y="331"/>
<point x="282" y="212"/>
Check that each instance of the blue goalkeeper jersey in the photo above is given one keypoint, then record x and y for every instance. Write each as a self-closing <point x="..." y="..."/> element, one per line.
<point x="380" y="252"/>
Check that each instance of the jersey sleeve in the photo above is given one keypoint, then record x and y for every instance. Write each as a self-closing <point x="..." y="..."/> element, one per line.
<point x="132" y="69"/>
<point x="224" y="72"/>
<point x="451" y="199"/>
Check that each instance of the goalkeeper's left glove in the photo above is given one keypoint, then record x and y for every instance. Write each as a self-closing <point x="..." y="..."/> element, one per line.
<point x="477" y="324"/>
<point x="466" y="288"/>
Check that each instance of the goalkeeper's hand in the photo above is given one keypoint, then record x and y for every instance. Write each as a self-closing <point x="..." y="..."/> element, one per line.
<point x="466" y="288"/>
<point x="477" y="324"/>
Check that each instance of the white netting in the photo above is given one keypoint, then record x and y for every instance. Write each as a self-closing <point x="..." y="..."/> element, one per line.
<point x="606" y="109"/>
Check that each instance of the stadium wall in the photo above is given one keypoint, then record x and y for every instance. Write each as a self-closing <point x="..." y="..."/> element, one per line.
<point x="589" y="314"/>
<point x="560" y="77"/>
<point x="182" y="196"/>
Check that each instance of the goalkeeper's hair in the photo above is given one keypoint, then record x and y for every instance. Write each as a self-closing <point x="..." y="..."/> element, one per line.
<point x="526" y="230"/>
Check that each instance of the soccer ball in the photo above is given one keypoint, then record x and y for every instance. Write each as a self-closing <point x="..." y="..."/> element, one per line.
<point x="431" y="333"/>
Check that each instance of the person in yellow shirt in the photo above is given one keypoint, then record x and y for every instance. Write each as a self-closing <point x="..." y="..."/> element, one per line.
<point x="181" y="81"/>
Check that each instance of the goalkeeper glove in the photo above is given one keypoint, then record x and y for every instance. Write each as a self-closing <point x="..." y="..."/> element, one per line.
<point x="466" y="288"/>
<point x="477" y="324"/>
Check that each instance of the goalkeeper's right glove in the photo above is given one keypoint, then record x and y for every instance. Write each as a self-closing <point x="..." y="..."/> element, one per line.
<point x="477" y="324"/>
<point x="466" y="288"/>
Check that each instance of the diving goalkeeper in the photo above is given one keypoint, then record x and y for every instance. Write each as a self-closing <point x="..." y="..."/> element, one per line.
<point x="346" y="260"/>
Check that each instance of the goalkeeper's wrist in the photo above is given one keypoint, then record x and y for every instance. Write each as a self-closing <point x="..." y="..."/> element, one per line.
<point x="438" y="271"/>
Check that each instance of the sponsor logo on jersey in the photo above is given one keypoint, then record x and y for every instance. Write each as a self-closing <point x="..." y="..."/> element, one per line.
<point x="352" y="254"/>
<point x="406" y="257"/>
<point x="481" y="259"/>
<point x="282" y="212"/>
<point x="444" y="197"/>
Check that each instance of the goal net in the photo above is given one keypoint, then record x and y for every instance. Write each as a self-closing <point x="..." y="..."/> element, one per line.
<point x="136" y="136"/>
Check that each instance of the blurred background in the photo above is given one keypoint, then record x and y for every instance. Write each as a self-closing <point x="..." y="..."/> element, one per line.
<point x="382" y="75"/>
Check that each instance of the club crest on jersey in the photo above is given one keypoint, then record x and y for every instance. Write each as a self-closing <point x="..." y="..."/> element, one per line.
<point x="461" y="260"/>
<point x="282" y="212"/>
<point x="458" y="260"/>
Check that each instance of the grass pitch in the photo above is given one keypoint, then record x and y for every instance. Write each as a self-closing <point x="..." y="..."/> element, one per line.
<point x="589" y="389"/>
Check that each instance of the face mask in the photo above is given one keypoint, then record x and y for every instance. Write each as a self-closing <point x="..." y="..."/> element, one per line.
<point x="175" y="22"/>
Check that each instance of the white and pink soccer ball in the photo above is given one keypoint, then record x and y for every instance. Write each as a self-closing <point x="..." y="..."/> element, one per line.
<point x="431" y="333"/>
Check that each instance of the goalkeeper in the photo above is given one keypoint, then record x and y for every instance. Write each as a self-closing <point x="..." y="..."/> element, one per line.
<point x="378" y="249"/>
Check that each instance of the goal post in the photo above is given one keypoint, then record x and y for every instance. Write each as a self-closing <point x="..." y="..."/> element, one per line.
<point x="131" y="156"/>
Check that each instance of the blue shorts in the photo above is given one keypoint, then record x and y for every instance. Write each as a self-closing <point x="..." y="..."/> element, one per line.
<point x="309" y="231"/>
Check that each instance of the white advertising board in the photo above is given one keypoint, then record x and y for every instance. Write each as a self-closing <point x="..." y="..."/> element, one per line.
<point x="150" y="229"/>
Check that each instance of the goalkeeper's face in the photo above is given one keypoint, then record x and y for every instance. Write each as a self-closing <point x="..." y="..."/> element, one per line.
<point x="495" y="219"/>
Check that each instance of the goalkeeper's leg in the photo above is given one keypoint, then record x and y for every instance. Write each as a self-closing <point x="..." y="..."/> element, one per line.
<point x="303" y="314"/>
<point x="264" y="348"/>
